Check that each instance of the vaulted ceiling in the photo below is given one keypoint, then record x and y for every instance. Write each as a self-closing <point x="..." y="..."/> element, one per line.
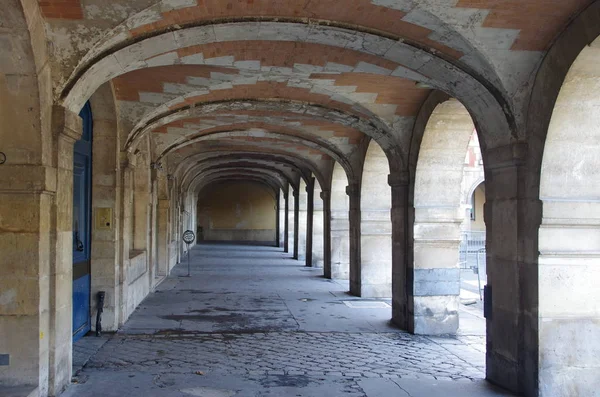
<point x="280" y="90"/>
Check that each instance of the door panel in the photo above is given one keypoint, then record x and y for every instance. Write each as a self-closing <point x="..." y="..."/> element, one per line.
<point x="81" y="234"/>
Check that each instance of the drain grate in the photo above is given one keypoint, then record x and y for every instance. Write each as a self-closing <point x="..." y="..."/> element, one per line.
<point x="367" y="304"/>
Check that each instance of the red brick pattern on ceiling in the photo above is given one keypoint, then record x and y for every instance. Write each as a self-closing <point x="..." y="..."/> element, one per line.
<point x="269" y="90"/>
<point x="235" y="146"/>
<point x="61" y="9"/>
<point x="357" y="12"/>
<point x="539" y="21"/>
<point x="390" y="90"/>
<point x="353" y="135"/>
<point x="285" y="53"/>
<point x="275" y="142"/>
<point x="129" y="85"/>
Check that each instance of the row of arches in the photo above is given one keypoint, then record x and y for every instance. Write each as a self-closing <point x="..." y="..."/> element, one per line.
<point x="170" y="119"/>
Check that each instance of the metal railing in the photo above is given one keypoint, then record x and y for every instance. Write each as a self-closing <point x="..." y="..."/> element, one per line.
<point x="472" y="256"/>
<point x="472" y="249"/>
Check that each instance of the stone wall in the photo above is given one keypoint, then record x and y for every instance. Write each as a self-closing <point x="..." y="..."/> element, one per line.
<point x="237" y="211"/>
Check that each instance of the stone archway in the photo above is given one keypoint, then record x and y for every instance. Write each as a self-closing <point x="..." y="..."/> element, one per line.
<point x="318" y="256"/>
<point x="340" y="225"/>
<point x="376" y="225"/>
<point x="569" y="236"/>
<point x="438" y="215"/>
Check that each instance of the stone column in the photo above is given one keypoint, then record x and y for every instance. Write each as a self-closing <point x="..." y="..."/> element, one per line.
<point x="153" y="248"/>
<point x="286" y="233"/>
<point x="353" y="192"/>
<point x="376" y="253"/>
<point x="302" y="220"/>
<point x="436" y="276"/>
<point x="310" y="190"/>
<point x="326" y="197"/>
<point x="513" y="275"/>
<point x="340" y="235"/>
<point x="67" y="129"/>
<point x="162" y="212"/>
<point x="125" y="234"/>
<point x="401" y="216"/>
<point x="435" y="272"/>
<point x="36" y="197"/>
<point x="296" y="223"/>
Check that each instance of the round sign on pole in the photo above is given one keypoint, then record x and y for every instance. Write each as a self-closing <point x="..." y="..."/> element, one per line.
<point x="188" y="237"/>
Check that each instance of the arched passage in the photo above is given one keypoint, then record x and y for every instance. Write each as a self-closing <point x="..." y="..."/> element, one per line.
<point x="376" y="225"/>
<point x="569" y="236"/>
<point x="340" y="224"/>
<point x="438" y="215"/>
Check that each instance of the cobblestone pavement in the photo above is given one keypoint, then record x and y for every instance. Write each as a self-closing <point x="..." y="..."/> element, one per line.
<point x="294" y="353"/>
<point x="251" y="322"/>
<point x="84" y="349"/>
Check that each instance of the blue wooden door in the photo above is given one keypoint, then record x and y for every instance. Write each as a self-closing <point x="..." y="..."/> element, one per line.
<point x="82" y="178"/>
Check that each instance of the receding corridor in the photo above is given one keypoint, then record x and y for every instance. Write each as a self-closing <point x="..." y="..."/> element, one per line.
<point x="251" y="321"/>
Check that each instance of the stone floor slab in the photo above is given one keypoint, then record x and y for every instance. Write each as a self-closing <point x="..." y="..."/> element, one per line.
<point x="253" y="322"/>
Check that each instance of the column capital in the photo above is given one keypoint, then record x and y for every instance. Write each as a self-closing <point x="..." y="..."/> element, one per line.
<point x="353" y="189"/>
<point x="296" y="193"/>
<point x="126" y="160"/>
<point x="399" y="179"/>
<point x="310" y="185"/>
<point x="511" y="155"/>
<point x="65" y="123"/>
<point x="325" y="194"/>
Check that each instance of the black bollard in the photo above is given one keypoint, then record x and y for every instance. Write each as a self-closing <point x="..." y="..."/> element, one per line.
<point x="100" y="296"/>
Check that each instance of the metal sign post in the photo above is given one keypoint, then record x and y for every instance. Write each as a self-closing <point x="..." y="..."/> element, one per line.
<point x="188" y="238"/>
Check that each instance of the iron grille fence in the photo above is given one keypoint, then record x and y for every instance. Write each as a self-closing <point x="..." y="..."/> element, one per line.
<point x="472" y="247"/>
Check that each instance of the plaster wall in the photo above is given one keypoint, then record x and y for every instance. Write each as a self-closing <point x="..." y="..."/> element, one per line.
<point x="237" y="211"/>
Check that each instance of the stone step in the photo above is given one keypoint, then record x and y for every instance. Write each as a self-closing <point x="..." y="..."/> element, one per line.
<point x="19" y="391"/>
